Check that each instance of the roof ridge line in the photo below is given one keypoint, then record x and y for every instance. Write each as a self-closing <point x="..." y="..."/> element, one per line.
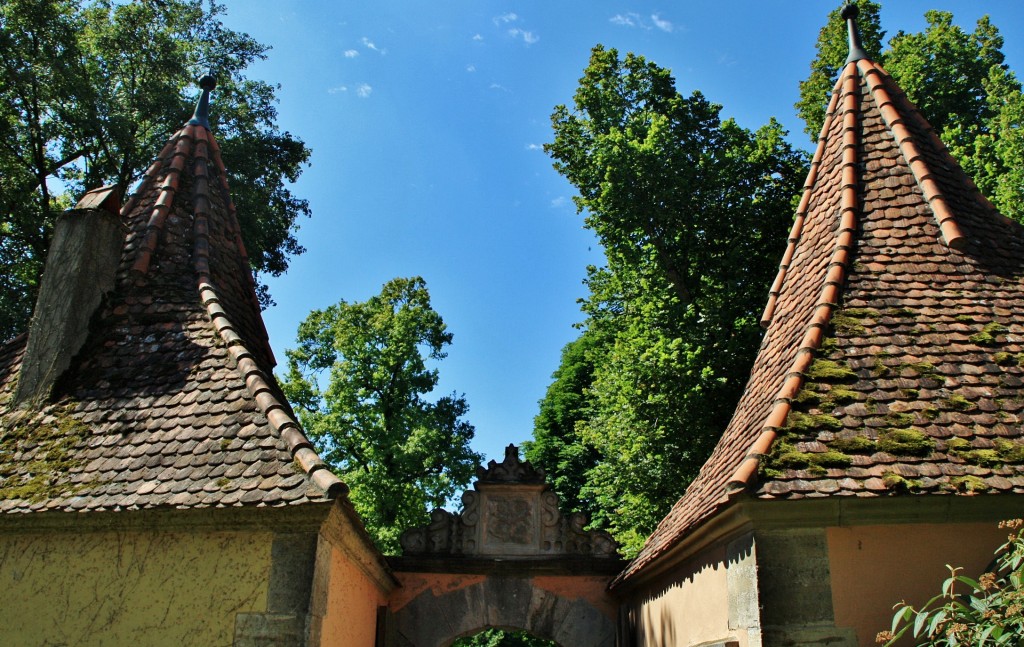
<point x="828" y="301"/>
<point x="183" y="144"/>
<point x="875" y="79"/>
<point x="801" y="211"/>
<point x="235" y="229"/>
<point x="256" y="382"/>
<point x="148" y="177"/>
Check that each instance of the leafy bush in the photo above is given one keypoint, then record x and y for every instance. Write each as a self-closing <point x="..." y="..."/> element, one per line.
<point x="989" y="612"/>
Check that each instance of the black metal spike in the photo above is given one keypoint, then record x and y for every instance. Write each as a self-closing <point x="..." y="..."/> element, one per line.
<point x="201" y="116"/>
<point x="850" y="12"/>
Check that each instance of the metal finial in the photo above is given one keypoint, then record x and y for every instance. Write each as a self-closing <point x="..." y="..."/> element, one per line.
<point x="201" y="116"/>
<point x="850" y="12"/>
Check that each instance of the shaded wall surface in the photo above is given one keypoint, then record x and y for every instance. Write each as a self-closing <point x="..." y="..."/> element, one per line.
<point x="710" y="599"/>
<point x="434" y="609"/>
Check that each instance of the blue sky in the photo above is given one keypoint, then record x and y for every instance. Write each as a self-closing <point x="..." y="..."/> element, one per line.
<point x="426" y="121"/>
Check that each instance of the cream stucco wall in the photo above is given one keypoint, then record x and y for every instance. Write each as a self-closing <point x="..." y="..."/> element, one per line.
<point x="698" y="603"/>
<point x="131" y="587"/>
<point x="875" y="567"/>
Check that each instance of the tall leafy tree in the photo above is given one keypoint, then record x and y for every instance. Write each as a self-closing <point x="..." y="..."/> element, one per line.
<point x="89" y="91"/>
<point x="400" y="453"/>
<point x="959" y="80"/>
<point x="690" y="211"/>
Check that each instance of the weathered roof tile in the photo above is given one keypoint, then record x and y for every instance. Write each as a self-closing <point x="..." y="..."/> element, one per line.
<point x="896" y="306"/>
<point x="176" y="371"/>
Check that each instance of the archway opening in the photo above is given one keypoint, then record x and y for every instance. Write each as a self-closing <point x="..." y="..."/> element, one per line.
<point x="495" y="637"/>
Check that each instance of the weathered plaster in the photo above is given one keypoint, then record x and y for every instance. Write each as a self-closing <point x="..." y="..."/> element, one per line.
<point x="875" y="567"/>
<point x="442" y="608"/>
<point x="594" y="590"/>
<point x="695" y="604"/>
<point x="130" y="588"/>
<point x="352" y="603"/>
<point x="413" y="584"/>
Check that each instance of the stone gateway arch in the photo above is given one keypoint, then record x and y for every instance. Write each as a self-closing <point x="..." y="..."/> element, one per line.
<point x="509" y="560"/>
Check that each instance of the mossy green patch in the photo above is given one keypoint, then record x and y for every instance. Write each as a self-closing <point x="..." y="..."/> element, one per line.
<point x="988" y="336"/>
<point x="826" y="369"/>
<point x="1003" y="359"/>
<point x="965" y="318"/>
<point x="897" y="483"/>
<point x="807" y="396"/>
<point x="909" y="394"/>
<point x="853" y="445"/>
<point x="1010" y="451"/>
<point x="895" y="419"/>
<point x="51" y="457"/>
<point x="808" y="460"/>
<point x="905" y="442"/>
<point x="841" y="395"/>
<point x="969" y="484"/>
<point x="861" y="313"/>
<point x="847" y="325"/>
<point x="957" y="402"/>
<point x="925" y="369"/>
<point x="879" y="368"/>
<point x="805" y="423"/>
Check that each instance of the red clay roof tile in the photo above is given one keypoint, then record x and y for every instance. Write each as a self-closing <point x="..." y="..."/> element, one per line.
<point x="172" y="401"/>
<point x="902" y="283"/>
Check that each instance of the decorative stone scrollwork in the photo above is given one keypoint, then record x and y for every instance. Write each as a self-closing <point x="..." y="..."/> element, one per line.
<point x="510" y="512"/>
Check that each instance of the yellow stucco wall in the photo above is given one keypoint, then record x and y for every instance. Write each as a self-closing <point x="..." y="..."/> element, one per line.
<point x="129" y="588"/>
<point x="352" y="602"/>
<point x="875" y="567"/>
<point x="689" y="609"/>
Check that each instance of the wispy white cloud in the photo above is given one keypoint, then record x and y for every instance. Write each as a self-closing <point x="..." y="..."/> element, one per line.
<point x="498" y="86"/>
<point x="364" y="90"/>
<point x="477" y="37"/>
<point x="535" y="147"/>
<point x="351" y="53"/>
<point x="528" y="36"/>
<point x="505" y="18"/>
<point x="369" y="44"/>
<point x="337" y="89"/>
<point x="661" y="23"/>
<point x="559" y="202"/>
<point x="471" y="68"/>
<point x="625" y="20"/>
<point x="636" y="21"/>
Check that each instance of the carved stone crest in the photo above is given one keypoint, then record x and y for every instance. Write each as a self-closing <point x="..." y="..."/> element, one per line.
<point x="510" y="512"/>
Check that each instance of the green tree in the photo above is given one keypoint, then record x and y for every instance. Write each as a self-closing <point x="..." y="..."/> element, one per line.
<point x="557" y="444"/>
<point x="691" y="212"/>
<point x="89" y="92"/>
<point x="958" y="79"/>
<point x="400" y="454"/>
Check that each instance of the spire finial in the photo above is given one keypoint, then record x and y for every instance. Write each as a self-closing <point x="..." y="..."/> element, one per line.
<point x="850" y="12"/>
<point x="201" y="116"/>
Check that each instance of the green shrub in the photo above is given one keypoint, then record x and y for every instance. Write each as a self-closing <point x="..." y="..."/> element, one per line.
<point x="989" y="612"/>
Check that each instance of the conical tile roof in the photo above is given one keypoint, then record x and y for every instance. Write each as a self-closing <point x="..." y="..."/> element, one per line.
<point x="893" y="358"/>
<point x="171" y="401"/>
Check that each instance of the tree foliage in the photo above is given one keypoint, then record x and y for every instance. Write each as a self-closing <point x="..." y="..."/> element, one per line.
<point x="983" y="612"/>
<point x="958" y="79"/>
<point x="690" y="211"/>
<point x="90" y="92"/>
<point x="400" y="454"/>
